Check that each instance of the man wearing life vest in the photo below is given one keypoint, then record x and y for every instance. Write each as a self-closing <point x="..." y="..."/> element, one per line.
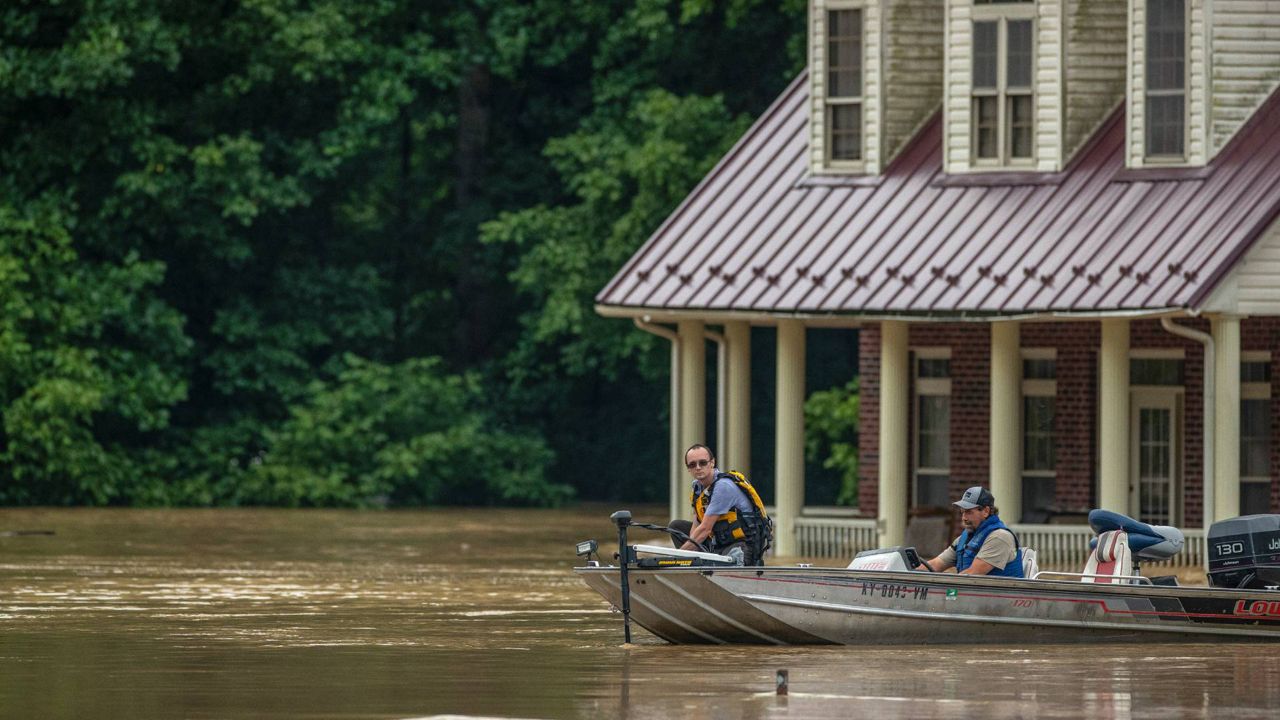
<point x="986" y="547"/>
<point x="731" y="519"/>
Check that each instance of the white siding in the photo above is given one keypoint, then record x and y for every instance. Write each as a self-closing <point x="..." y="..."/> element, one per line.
<point x="1246" y="62"/>
<point x="1095" y="67"/>
<point x="1197" y="86"/>
<point x="956" y="119"/>
<point x="1049" y="86"/>
<point x="912" y="70"/>
<point x="1258" y="277"/>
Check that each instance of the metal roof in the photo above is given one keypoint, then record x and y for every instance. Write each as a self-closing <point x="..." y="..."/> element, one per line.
<point x="759" y="234"/>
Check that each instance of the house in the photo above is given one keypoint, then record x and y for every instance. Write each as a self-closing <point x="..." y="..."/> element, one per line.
<point x="1054" y="224"/>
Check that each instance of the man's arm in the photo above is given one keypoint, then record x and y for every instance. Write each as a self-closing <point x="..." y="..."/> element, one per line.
<point x="978" y="567"/>
<point x="701" y="532"/>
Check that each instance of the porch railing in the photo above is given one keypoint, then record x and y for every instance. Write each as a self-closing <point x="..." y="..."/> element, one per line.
<point x="838" y="533"/>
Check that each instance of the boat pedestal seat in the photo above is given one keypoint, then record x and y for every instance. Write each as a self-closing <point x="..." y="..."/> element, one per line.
<point x="1111" y="561"/>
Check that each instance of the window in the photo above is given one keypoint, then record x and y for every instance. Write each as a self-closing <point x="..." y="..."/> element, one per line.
<point x="933" y="427"/>
<point x="1003" y="102"/>
<point x="844" y="85"/>
<point x="1156" y="371"/>
<point x="1039" y="445"/>
<point x="1255" y="433"/>
<point x="1166" y="82"/>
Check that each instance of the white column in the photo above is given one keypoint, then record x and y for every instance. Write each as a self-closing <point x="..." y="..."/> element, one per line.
<point x="789" y="456"/>
<point x="737" y="449"/>
<point x="1006" y="387"/>
<point x="1113" y="431"/>
<point x="1226" y="417"/>
<point x="693" y="400"/>
<point x="895" y="373"/>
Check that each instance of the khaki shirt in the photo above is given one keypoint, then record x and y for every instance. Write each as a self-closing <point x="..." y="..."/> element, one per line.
<point x="997" y="550"/>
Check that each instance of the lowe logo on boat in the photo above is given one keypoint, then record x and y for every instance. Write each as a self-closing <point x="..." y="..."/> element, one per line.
<point x="1258" y="607"/>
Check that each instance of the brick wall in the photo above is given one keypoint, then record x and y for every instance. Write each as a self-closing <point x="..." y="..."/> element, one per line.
<point x="869" y="420"/>
<point x="1077" y="346"/>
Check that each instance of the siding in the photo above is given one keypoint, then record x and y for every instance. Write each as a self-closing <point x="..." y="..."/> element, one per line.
<point x="1246" y="62"/>
<point x="872" y="87"/>
<point x="1197" y="89"/>
<point x="1258" y="293"/>
<point x="1095" y="67"/>
<point x="1048" y="86"/>
<point x="912" y="70"/>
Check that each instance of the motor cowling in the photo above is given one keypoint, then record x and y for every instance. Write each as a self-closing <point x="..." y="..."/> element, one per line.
<point x="1244" y="552"/>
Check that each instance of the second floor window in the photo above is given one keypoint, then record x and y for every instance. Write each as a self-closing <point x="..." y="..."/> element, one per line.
<point x="1002" y="103"/>
<point x="1166" y="81"/>
<point x="844" y="85"/>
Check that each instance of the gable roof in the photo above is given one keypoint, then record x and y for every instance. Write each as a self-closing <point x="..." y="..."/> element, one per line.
<point x="759" y="234"/>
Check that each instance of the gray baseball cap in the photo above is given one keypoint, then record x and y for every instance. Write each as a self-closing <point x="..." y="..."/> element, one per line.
<point x="976" y="496"/>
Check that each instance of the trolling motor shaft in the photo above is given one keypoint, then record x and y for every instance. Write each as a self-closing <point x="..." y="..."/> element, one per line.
<point x="622" y="519"/>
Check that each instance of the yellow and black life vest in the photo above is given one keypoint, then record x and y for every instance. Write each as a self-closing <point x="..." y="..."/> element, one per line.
<point x="754" y="528"/>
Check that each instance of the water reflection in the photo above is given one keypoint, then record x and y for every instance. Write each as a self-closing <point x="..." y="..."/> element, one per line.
<point x="294" y="614"/>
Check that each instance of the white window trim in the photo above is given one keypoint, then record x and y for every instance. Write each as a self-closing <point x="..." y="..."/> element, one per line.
<point x="1002" y="13"/>
<point x="847" y="166"/>
<point x="1175" y="160"/>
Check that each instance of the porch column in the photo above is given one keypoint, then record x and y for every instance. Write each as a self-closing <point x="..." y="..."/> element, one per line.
<point x="1226" y="417"/>
<point x="693" y="402"/>
<point x="895" y="371"/>
<point x="737" y="449"/>
<point x="1113" y="430"/>
<point x="1006" y="386"/>
<point x="789" y="497"/>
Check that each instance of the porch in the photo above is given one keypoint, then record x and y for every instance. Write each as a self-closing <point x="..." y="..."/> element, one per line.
<point x="836" y="533"/>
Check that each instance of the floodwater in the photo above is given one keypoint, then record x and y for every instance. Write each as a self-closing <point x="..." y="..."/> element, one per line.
<point x="337" y="614"/>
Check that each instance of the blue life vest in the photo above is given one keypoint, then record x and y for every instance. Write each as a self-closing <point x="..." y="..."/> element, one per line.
<point x="967" y="549"/>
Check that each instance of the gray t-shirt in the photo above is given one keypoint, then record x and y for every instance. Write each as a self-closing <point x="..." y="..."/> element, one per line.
<point x="726" y="497"/>
<point x="997" y="550"/>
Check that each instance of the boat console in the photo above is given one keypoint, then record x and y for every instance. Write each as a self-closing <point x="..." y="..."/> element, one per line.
<point x="897" y="557"/>
<point x="1244" y="552"/>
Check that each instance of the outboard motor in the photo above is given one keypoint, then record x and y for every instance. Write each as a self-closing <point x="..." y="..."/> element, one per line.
<point x="1147" y="542"/>
<point x="1244" y="552"/>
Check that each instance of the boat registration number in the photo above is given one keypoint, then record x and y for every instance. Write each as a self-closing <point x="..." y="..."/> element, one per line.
<point x="895" y="590"/>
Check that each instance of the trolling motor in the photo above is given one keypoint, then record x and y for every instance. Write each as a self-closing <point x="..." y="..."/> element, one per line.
<point x="622" y="519"/>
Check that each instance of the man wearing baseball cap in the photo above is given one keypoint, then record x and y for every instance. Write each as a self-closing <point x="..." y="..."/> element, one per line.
<point x="986" y="547"/>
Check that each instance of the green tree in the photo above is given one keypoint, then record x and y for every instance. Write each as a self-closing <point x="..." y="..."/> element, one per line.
<point x="369" y="438"/>
<point x="831" y="434"/>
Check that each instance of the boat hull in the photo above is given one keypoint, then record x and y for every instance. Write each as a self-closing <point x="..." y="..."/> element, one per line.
<point x="834" y="606"/>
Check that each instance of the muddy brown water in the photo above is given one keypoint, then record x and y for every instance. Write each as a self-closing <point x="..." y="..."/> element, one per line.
<point x="337" y="614"/>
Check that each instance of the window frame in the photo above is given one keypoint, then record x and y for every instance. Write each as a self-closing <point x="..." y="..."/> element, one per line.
<point x="927" y="387"/>
<point x="830" y="103"/>
<point x="1001" y="14"/>
<point x="1148" y="157"/>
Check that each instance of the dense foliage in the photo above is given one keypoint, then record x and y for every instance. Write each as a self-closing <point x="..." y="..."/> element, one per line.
<point x="331" y="253"/>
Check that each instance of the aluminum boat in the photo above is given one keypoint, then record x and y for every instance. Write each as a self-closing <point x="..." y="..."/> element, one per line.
<point x="688" y="597"/>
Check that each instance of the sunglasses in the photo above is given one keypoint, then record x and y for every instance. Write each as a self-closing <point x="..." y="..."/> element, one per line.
<point x="697" y="464"/>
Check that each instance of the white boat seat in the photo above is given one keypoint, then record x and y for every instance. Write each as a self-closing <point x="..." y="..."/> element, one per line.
<point x="1029" y="565"/>
<point x="1112" y="557"/>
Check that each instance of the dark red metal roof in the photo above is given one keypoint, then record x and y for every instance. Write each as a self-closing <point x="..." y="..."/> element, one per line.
<point x="758" y="234"/>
